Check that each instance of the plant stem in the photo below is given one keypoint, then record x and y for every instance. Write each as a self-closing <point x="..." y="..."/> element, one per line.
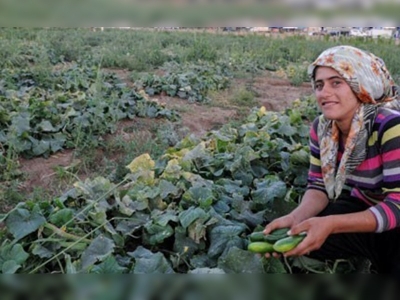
<point x="64" y="234"/>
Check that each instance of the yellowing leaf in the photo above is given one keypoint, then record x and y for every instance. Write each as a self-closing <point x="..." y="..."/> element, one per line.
<point x="141" y="163"/>
<point x="261" y="111"/>
<point x="172" y="171"/>
<point x="143" y="168"/>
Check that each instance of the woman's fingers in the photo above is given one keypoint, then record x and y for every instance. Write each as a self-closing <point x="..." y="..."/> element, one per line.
<point x="273" y="254"/>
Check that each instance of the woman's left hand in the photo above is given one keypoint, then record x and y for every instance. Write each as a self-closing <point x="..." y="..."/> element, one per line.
<point x="317" y="229"/>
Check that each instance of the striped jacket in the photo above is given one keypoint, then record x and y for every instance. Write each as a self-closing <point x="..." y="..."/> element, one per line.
<point x="376" y="180"/>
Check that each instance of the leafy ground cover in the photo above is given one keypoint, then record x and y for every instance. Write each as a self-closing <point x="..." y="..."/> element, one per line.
<point x="190" y="209"/>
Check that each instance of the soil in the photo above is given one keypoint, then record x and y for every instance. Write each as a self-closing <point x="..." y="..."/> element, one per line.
<point x="273" y="93"/>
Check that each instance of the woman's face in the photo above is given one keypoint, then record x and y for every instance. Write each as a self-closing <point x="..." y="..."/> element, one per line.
<point x="334" y="96"/>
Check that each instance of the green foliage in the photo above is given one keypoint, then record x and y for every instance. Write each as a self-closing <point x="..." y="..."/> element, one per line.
<point x="190" y="209"/>
<point x="40" y="117"/>
<point x="191" y="81"/>
<point x="244" y="97"/>
<point x="297" y="74"/>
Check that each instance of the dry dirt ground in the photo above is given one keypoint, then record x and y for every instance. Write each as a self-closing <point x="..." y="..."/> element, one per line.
<point x="273" y="93"/>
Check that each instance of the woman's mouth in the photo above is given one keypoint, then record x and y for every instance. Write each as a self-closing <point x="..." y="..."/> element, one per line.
<point x="328" y="103"/>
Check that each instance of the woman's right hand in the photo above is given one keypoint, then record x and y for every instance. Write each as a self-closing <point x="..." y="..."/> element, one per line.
<point x="286" y="221"/>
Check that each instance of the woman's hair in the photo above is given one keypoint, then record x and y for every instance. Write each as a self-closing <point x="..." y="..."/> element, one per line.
<point x="365" y="73"/>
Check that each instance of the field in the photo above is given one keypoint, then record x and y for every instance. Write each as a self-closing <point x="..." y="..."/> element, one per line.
<point x="139" y="151"/>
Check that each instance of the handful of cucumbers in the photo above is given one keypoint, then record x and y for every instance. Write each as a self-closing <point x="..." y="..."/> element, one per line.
<point x="277" y="241"/>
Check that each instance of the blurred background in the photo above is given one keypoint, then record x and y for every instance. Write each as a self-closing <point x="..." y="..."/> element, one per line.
<point x="201" y="13"/>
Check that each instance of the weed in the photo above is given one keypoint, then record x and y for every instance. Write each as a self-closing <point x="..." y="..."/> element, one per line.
<point x="8" y="164"/>
<point x="10" y="195"/>
<point x="244" y="97"/>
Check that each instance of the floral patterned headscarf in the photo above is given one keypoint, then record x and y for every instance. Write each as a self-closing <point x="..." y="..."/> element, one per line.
<point x="371" y="82"/>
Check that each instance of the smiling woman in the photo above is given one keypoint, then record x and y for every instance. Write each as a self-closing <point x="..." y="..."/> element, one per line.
<point x="352" y="203"/>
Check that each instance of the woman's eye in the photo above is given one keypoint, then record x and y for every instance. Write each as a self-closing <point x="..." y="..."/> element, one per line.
<point x="318" y="86"/>
<point x="336" y="83"/>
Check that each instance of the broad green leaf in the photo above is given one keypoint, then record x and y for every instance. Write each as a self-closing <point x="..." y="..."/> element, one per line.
<point x="156" y="234"/>
<point x="250" y="127"/>
<point x="241" y="170"/>
<point x="197" y="152"/>
<point x="245" y="176"/>
<point x="277" y="209"/>
<point x="274" y="266"/>
<point x="9" y="267"/>
<point x="202" y="196"/>
<point x="40" y="147"/>
<point x="45" y="126"/>
<point x="222" y="207"/>
<point x="164" y="217"/>
<point x="150" y="263"/>
<point x="151" y="111"/>
<point x="62" y="217"/>
<point x="286" y="129"/>
<point x="97" y="251"/>
<point x="310" y="264"/>
<point x="95" y="189"/>
<point x="108" y="266"/>
<point x="220" y="236"/>
<point x="12" y="257"/>
<point x="134" y="223"/>
<point x="42" y="251"/>
<point x="233" y="186"/>
<point x="202" y="260"/>
<point x="301" y="176"/>
<point x="21" y="145"/>
<point x="227" y="134"/>
<point x="248" y="217"/>
<point x="98" y="217"/>
<point x="167" y="188"/>
<point x="197" y="180"/>
<point x="240" y="261"/>
<point x="70" y="267"/>
<point x="285" y="161"/>
<point x="190" y="215"/>
<point x="21" y="124"/>
<point x="13" y="252"/>
<point x="259" y="168"/>
<point x="268" y="189"/>
<point x="128" y="206"/>
<point x="183" y="245"/>
<point x="303" y="130"/>
<point x="58" y="141"/>
<point x="21" y="222"/>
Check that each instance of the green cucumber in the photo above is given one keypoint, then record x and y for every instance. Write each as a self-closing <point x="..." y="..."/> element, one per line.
<point x="257" y="236"/>
<point x="280" y="231"/>
<point x="288" y="243"/>
<point x="260" y="247"/>
<point x="276" y="235"/>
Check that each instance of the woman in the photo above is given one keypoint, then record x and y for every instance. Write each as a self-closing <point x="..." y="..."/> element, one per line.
<point x="352" y="203"/>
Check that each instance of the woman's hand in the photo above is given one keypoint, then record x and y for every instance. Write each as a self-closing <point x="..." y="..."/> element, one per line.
<point x="282" y="222"/>
<point x="312" y="203"/>
<point x="286" y="221"/>
<point x="317" y="228"/>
